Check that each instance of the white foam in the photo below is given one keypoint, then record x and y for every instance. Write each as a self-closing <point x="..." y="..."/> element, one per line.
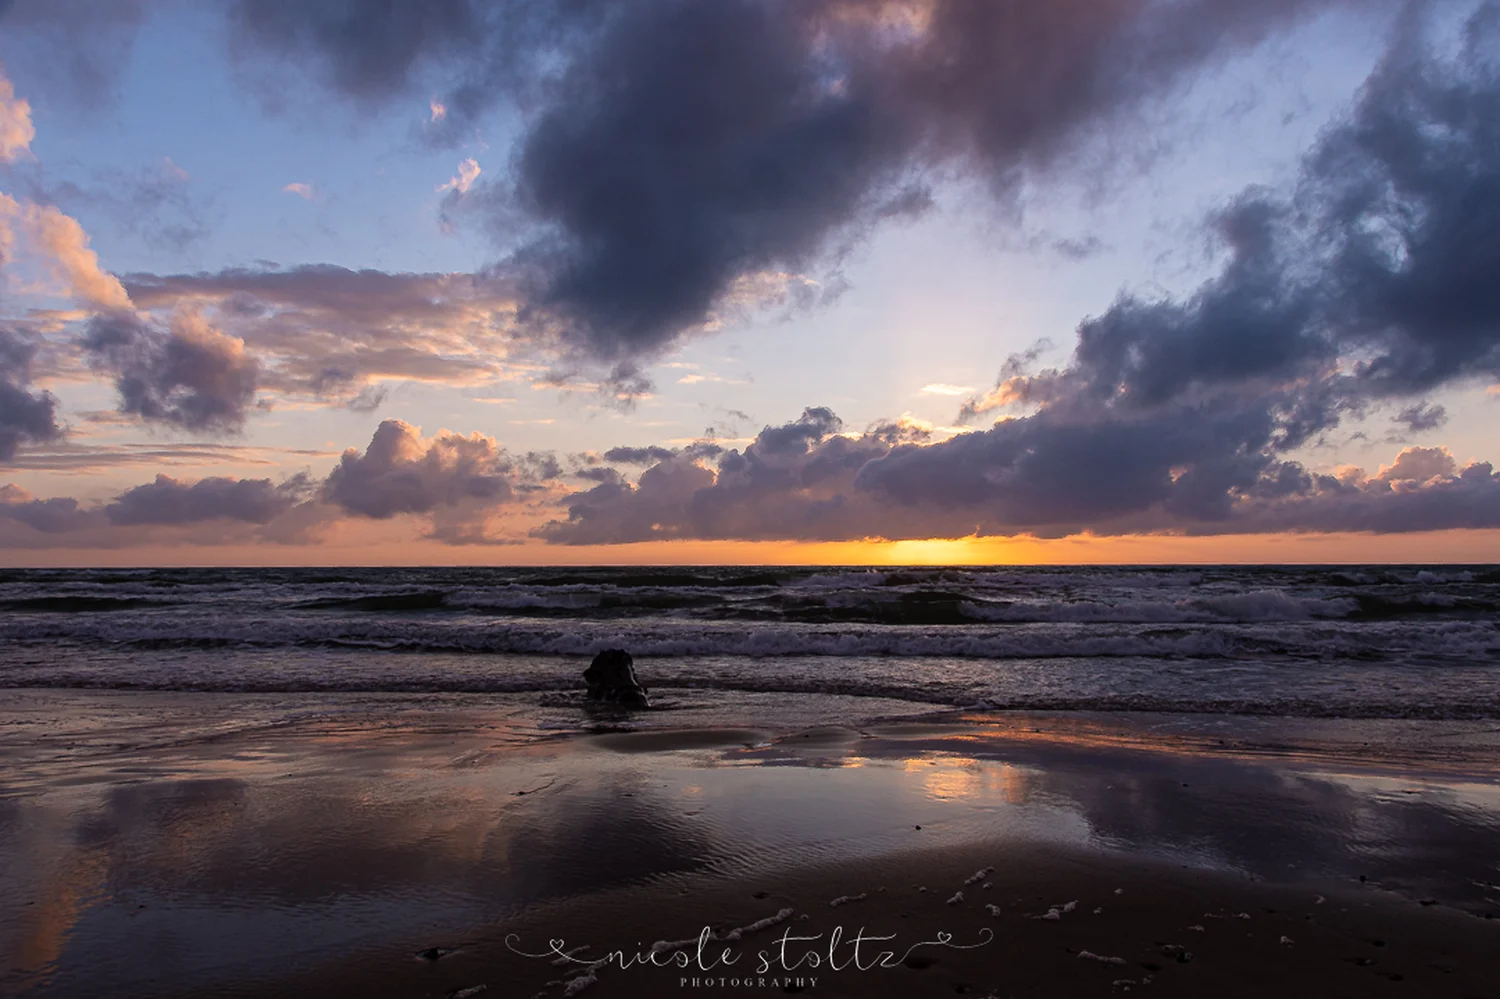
<point x="580" y="983"/>
<point x="759" y="924"/>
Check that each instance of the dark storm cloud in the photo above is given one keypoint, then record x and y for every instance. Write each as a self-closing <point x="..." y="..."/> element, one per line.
<point x="191" y="375"/>
<point x="1248" y="323"/>
<point x="697" y="144"/>
<point x="1383" y="257"/>
<point x="673" y="150"/>
<point x="26" y="416"/>
<point x="1410" y="196"/>
<point x="166" y="500"/>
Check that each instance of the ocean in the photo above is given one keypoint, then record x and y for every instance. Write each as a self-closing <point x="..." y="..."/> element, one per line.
<point x="731" y="642"/>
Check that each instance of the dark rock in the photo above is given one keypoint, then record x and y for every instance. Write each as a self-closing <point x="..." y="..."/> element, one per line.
<point x="611" y="678"/>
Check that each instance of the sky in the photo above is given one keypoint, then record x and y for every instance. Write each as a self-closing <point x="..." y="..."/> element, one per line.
<point x="774" y="281"/>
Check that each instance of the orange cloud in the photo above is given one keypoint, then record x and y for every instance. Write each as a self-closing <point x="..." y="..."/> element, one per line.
<point x="468" y="173"/>
<point x="16" y="129"/>
<point x="63" y="247"/>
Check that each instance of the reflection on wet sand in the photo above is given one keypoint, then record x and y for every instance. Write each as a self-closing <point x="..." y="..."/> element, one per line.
<point x="237" y="858"/>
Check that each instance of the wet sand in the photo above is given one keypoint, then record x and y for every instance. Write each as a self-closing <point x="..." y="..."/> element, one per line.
<point x="176" y="845"/>
<point x="1120" y="925"/>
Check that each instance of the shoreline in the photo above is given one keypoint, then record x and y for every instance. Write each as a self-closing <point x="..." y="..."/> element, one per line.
<point x="322" y="851"/>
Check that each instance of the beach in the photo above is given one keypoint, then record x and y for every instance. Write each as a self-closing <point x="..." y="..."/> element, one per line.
<point x="207" y="844"/>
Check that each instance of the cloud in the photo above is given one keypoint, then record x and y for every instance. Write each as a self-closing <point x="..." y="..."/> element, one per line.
<point x="659" y="506"/>
<point x="790" y="482"/>
<point x="639" y="455"/>
<point x="454" y="192"/>
<point x="1419" y="464"/>
<point x="437" y="110"/>
<point x="301" y="190"/>
<point x="1419" y="492"/>
<point x="458" y="481"/>
<point x="74" y="456"/>
<point x="166" y="500"/>
<point x="63" y="248"/>
<point x="26" y="417"/>
<point x="943" y="388"/>
<point x="671" y="151"/>
<point x="60" y="515"/>
<point x="801" y="481"/>
<point x="189" y="375"/>
<point x="8" y="211"/>
<point x="1063" y="470"/>
<point x="468" y="172"/>
<point x="211" y="511"/>
<point x="16" y="130"/>
<point x="328" y="333"/>
<point x="463" y="487"/>
<point x="1421" y="417"/>
<point x="1180" y="472"/>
